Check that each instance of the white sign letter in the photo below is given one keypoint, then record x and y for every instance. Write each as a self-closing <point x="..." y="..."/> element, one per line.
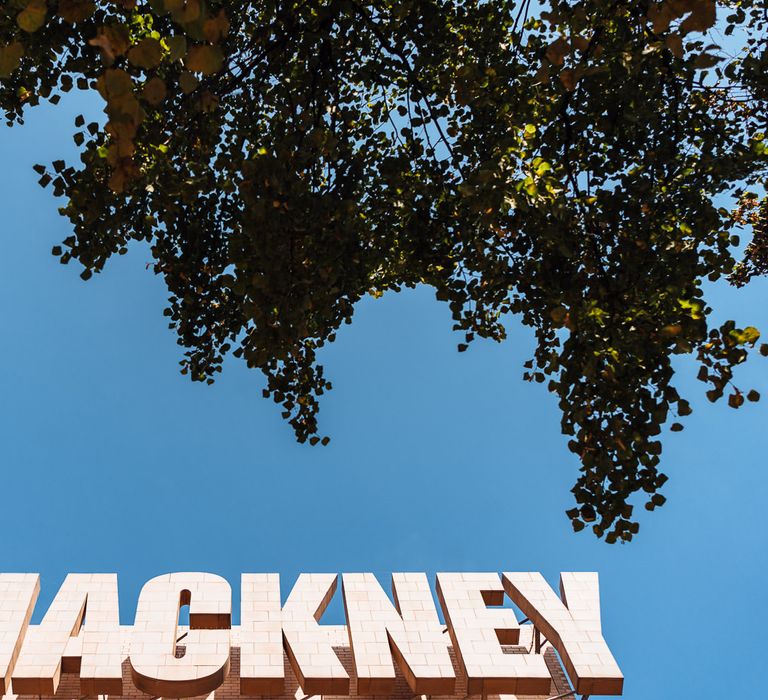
<point x="18" y="595"/>
<point x="92" y="597"/>
<point x="205" y="664"/>
<point x="478" y="632"/>
<point x="307" y="644"/>
<point x="410" y="633"/>
<point x="261" y="636"/>
<point x="572" y="625"/>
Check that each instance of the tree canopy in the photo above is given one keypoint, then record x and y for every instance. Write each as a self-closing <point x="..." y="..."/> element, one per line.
<point x="571" y="164"/>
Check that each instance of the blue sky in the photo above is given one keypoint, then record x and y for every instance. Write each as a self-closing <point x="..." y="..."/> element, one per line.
<point x="112" y="461"/>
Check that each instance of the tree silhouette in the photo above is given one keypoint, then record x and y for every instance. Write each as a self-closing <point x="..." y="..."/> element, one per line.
<point x="572" y="167"/>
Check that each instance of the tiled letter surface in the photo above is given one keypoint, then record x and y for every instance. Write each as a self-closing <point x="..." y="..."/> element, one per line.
<point x="96" y="653"/>
<point x="261" y="636"/>
<point x="285" y="654"/>
<point x="155" y="667"/>
<point x="18" y="595"/>
<point x="307" y="643"/>
<point x="411" y="633"/>
<point x="477" y="633"/>
<point x="575" y="631"/>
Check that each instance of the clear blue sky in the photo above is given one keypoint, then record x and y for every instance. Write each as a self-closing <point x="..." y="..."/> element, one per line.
<point x="112" y="461"/>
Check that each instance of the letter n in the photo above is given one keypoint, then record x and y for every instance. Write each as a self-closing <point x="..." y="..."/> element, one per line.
<point x="410" y="634"/>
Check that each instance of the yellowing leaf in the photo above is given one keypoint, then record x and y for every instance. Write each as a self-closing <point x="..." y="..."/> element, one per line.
<point x="672" y="330"/>
<point x="703" y="16"/>
<point x="705" y="60"/>
<point x="674" y="43"/>
<point x="208" y="101"/>
<point x="188" y="82"/>
<point x="123" y="130"/>
<point x="75" y="10"/>
<point x="568" y="79"/>
<point x="154" y="91"/>
<point x="32" y="17"/>
<point x="557" y="51"/>
<point x="184" y="11"/>
<point x="126" y="107"/>
<point x="750" y="335"/>
<point x="558" y="314"/>
<point x="581" y="43"/>
<point x="147" y="54"/>
<point x="661" y="17"/>
<point x="177" y="46"/>
<point x="10" y="58"/>
<point x="113" y="41"/>
<point x="542" y="75"/>
<point x="117" y="181"/>
<point x="216" y="27"/>
<point x="113" y="83"/>
<point x="204" y="59"/>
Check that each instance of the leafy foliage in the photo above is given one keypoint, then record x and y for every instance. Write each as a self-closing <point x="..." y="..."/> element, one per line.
<point x="285" y="158"/>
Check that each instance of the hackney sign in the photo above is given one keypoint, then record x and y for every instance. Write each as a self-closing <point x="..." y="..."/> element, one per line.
<point x="280" y="650"/>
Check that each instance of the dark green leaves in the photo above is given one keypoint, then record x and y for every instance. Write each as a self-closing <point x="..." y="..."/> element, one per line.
<point x="283" y="160"/>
